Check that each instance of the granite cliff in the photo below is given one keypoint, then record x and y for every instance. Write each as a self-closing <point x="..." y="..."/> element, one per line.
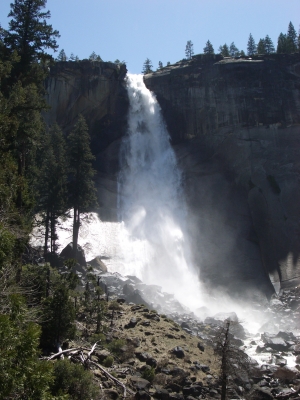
<point x="235" y="127"/>
<point x="96" y="90"/>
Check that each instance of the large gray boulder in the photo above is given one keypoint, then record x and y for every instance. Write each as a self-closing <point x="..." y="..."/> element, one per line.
<point x="68" y="253"/>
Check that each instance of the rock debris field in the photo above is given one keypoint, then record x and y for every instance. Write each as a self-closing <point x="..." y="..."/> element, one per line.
<point x="170" y="354"/>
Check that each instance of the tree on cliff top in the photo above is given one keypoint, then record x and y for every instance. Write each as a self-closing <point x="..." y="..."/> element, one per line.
<point x="208" y="49"/>
<point x="292" y="38"/>
<point x="251" y="46"/>
<point x="189" y="51"/>
<point x="224" y="50"/>
<point x="82" y="189"/>
<point x="147" y="67"/>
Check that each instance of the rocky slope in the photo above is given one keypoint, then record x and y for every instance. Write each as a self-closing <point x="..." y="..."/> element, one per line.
<point x="153" y="356"/>
<point x="235" y="128"/>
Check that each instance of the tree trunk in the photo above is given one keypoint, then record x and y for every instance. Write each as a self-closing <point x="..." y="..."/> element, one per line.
<point x="76" y="225"/>
<point x="46" y="235"/>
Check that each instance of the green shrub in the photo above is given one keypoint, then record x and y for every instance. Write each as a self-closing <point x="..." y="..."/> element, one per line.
<point x="108" y="362"/>
<point x="149" y="374"/>
<point x="114" y="305"/>
<point x="74" y="380"/>
<point x="116" y="345"/>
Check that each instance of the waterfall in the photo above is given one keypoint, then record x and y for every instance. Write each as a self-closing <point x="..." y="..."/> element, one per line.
<point x="153" y="242"/>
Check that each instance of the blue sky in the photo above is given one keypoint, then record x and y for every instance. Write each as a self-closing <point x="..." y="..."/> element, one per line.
<point x="132" y="30"/>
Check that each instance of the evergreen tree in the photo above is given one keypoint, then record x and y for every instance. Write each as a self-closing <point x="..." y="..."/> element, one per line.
<point x="94" y="57"/>
<point x="251" y="46"/>
<point x="189" y="49"/>
<point x="208" y="49"/>
<point x="282" y="44"/>
<point x="291" y="38"/>
<point x="81" y="185"/>
<point x="261" y="46"/>
<point x="269" y="46"/>
<point x="224" y="50"/>
<point x="72" y="57"/>
<point x="147" y="67"/>
<point x="52" y="185"/>
<point x="233" y="50"/>
<point x="29" y="34"/>
<point x="242" y="53"/>
<point x="62" y="56"/>
<point x="160" y="65"/>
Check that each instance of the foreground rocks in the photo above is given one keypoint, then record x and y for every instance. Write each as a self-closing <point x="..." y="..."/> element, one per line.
<point x="172" y="355"/>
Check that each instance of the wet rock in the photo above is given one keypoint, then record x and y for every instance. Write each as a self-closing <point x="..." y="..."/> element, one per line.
<point x="281" y="361"/>
<point x="178" y="351"/>
<point x="275" y="343"/>
<point x="128" y="289"/>
<point x="98" y="264"/>
<point x="285" y="374"/>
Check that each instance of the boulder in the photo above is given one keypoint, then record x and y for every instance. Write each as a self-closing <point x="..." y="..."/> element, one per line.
<point x="139" y="383"/>
<point x="161" y="393"/>
<point x="178" y="351"/>
<point x="132" y="323"/>
<point x="98" y="264"/>
<point x="142" y="395"/>
<point x="67" y="253"/>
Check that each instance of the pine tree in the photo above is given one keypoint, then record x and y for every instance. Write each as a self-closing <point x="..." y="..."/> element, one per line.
<point x="62" y="56"/>
<point x="52" y="184"/>
<point x="224" y="50"/>
<point x="160" y="65"/>
<point x="189" y="49"/>
<point x="147" y="67"/>
<point x="208" y="49"/>
<point x="81" y="185"/>
<point x="261" y="46"/>
<point x="29" y="34"/>
<point x="233" y="50"/>
<point x="291" y="38"/>
<point x="282" y="44"/>
<point x="94" y="57"/>
<point x="269" y="46"/>
<point x="251" y="46"/>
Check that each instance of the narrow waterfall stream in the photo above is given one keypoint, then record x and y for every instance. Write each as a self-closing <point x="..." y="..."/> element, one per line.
<point x="153" y="242"/>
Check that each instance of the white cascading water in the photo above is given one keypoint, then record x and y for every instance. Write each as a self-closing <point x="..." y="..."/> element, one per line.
<point x="153" y="243"/>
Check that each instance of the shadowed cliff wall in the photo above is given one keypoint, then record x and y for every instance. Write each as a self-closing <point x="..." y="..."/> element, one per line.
<point x="95" y="90"/>
<point x="235" y="127"/>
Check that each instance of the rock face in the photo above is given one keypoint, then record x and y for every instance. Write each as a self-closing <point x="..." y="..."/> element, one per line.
<point x="95" y="90"/>
<point x="235" y="128"/>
